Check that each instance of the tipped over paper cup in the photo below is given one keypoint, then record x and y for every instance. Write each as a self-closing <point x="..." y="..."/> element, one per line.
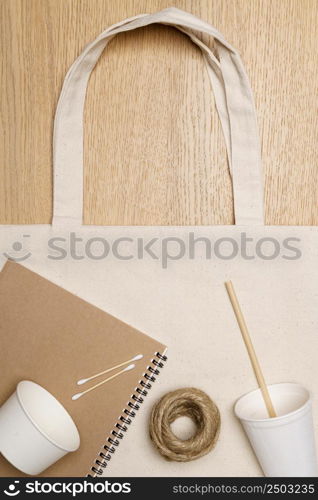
<point x="35" y="429"/>
<point x="284" y="445"/>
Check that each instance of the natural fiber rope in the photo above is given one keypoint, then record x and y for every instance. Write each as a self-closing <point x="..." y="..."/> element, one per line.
<point x="191" y="403"/>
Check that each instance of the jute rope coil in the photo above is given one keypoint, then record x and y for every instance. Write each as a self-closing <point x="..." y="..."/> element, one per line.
<point x="191" y="403"/>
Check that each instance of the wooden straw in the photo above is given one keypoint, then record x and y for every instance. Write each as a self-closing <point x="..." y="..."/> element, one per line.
<point x="250" y="348"/>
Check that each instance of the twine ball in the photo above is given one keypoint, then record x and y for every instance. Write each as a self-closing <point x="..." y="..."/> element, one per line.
<point x="192" y="403"/>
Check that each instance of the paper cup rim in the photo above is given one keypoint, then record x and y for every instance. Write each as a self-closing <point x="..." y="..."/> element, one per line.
<point x="280" y="417"/>
<point x="41" y="431"/>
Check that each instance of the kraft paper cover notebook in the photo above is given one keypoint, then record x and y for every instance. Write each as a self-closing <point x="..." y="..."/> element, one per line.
<point x="54" y="338"/>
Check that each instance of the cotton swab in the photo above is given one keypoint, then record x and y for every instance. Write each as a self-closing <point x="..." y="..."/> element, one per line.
<point x="84" y="380"/>
<point x="250" y="348"/>
<point x="80" y="394"/>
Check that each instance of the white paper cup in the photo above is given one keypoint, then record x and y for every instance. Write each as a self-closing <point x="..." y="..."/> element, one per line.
<point x="284" y="445"/>
<point x="35" y="429"/>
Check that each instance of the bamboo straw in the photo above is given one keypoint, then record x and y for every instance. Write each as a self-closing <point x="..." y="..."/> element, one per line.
<point x="250" y="348"/>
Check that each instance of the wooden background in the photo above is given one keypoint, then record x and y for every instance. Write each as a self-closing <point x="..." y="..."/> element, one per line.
<point x="154" y="153"/>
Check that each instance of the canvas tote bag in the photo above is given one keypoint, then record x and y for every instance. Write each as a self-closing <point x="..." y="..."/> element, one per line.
<point x="169" y="281"/>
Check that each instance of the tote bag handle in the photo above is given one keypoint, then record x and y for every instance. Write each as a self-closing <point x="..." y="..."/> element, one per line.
<point x="234" y="102"/>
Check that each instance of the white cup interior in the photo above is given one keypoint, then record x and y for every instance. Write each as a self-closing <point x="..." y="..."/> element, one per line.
<point x="287" y="398"/>
<point x="48" y="415"/>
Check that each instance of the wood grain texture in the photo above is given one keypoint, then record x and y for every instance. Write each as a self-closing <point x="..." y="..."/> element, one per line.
<point x="154" y="153"/>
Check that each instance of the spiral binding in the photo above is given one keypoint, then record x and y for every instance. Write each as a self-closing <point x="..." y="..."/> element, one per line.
<point x="128" y="414"/>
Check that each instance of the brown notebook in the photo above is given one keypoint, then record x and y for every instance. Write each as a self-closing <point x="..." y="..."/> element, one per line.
<point x="54" y="338"/>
